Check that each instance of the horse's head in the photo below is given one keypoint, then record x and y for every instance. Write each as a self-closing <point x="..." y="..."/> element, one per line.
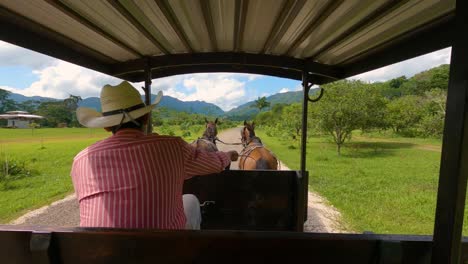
<point x="247" y="133"/>
<point x="210" y="130"/>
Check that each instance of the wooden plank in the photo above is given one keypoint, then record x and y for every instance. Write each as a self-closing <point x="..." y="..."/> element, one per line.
<point x="250" y="200"/>
<point x="94" y="245"/>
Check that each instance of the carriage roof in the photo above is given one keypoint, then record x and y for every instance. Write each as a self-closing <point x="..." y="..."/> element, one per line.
<point x="331" y="39"/>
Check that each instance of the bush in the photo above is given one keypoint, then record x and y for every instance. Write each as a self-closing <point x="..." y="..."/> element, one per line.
<point x="12" y="169"/>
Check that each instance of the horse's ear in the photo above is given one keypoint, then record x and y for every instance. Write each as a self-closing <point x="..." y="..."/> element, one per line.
<point x="245" y="122"/>
<point x="216" y="121"/>
<point x="206" y="120"/>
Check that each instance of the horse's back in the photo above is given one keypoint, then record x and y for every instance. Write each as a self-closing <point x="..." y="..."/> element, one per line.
<point x="258" y="159"/>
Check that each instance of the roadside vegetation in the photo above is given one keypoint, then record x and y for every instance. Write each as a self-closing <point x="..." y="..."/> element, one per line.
<point x="373" y="149"/>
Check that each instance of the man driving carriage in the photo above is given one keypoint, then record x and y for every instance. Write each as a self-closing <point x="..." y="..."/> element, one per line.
<point x="133" y="180"/>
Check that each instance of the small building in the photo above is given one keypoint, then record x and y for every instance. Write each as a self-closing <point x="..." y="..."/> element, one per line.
<point x="19" y="119"/>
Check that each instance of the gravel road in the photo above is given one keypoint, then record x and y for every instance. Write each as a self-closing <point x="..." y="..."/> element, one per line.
<point x="321" y="216"/>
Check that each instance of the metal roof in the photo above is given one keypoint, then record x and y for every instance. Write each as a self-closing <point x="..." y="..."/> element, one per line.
<point x="332" y="39"/>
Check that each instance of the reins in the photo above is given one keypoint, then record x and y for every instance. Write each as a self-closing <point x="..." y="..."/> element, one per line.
<point x="234" y="144"/>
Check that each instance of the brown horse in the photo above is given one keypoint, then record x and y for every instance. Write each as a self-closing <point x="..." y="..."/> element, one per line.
<point x="255" y="156"/>
<point x="208" y="140"/>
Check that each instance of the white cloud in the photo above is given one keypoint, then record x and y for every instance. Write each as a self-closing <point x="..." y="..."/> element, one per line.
<point x="225" y="90"/>
<point x="11" y="55"/>
<point x="407" y="68"/>
<point x="63" y="78"/>
<point x="59" y="79"/>
<point x="294" y="89"/>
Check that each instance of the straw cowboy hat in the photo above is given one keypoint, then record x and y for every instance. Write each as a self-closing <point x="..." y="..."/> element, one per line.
<point x="120" y="104"/>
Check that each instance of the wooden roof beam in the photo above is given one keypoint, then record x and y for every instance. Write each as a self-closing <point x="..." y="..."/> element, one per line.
<point x="28" y="34"/>
<point x="239" y="23"/>
<point x="124" y="12"/>
<point x="175" y="23"/>
<point x="429" y="38"/>
<point x="258" y="63"/>
<point x="376" y="15"/>
<point x="325" y="12"/>
<point x="80" y="19"/>
<point x="290" y="9"/>
<point x="205" y="6"/>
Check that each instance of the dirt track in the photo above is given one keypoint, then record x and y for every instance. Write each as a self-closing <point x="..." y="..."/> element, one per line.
<point x="321" y="216"/>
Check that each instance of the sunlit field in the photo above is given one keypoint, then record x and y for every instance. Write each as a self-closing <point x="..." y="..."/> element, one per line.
<point x="45" y="157"/>
<point x="379" y="184"/>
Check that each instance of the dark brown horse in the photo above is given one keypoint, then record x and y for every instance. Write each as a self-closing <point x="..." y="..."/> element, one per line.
<point x="255" y="156"/>
<point x="208" y="140"/>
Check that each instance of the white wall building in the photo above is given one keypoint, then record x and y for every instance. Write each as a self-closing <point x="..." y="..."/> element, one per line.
<point x="19" y="119"/>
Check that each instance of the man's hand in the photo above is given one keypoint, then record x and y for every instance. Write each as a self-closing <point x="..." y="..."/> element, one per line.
<point x="233" y="155"/>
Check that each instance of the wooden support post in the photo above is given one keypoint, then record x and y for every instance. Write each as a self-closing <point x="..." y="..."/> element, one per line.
<point x="149" y="128"/>
<point x="454" y="164"/>
<point x="306" y="85"/>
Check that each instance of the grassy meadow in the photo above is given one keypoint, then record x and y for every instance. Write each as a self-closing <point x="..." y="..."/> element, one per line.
<point x="382" y="184"/>
<point x="48" y="154"/>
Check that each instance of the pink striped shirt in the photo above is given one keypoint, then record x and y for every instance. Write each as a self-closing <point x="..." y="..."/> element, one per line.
<point x="133" y="180"/>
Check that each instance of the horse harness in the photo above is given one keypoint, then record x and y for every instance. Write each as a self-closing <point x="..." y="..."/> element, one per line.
<point x="249" y="148"/>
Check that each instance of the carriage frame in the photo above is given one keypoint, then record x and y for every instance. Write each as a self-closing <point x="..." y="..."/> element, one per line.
<point x="68" y="245"/>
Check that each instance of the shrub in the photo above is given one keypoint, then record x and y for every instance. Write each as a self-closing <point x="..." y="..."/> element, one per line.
<point x="12" y="169"/>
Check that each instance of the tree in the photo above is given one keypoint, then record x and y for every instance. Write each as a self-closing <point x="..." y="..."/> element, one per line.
<point x="71" y="104"/>
<point x="60" y="112"/>
<point x="432" y="121"/>
<point x="6" y="104"/>
<point x="261" y="103"/>
<point x="29" y="106"/>
<point x="54" y="113"/>
<point x="346" y="106"/>
<point x="404" y="113"/>
<point x="291" y="119"/>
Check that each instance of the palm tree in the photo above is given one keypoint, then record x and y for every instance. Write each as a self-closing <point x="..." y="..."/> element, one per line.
<point x="261" y="103"/>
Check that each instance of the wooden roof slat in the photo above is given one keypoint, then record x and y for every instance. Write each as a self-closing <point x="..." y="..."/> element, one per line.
<point x="176" y="26"/>
<point x="413" y="45"/>
<point x="326" y="11"/>
<point x="23" y="32"/>
<point x="205" y="6"/>
<point x="80" y="19"/>
<point x="124" y="12"/>
<point x="290" y="9"/>
<point x="239" y="23"/>
<point x="380" y="12"/>
<point x="198" y="32"/>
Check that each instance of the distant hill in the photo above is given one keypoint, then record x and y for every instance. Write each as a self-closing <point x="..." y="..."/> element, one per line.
<point x="245" y="111"/>
<point x="248" y="111"/>
<point x="19" y="98"/>
<point x="168" y="102"/>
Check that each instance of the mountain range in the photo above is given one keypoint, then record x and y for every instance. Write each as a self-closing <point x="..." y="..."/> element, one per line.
<point x="244" y="111"/>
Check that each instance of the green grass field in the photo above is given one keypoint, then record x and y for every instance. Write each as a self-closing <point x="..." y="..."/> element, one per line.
<point x="379" y="184"/>
<point x="49" y="153"/>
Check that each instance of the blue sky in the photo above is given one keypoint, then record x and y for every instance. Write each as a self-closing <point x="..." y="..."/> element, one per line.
<point x="30" y="73"/>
